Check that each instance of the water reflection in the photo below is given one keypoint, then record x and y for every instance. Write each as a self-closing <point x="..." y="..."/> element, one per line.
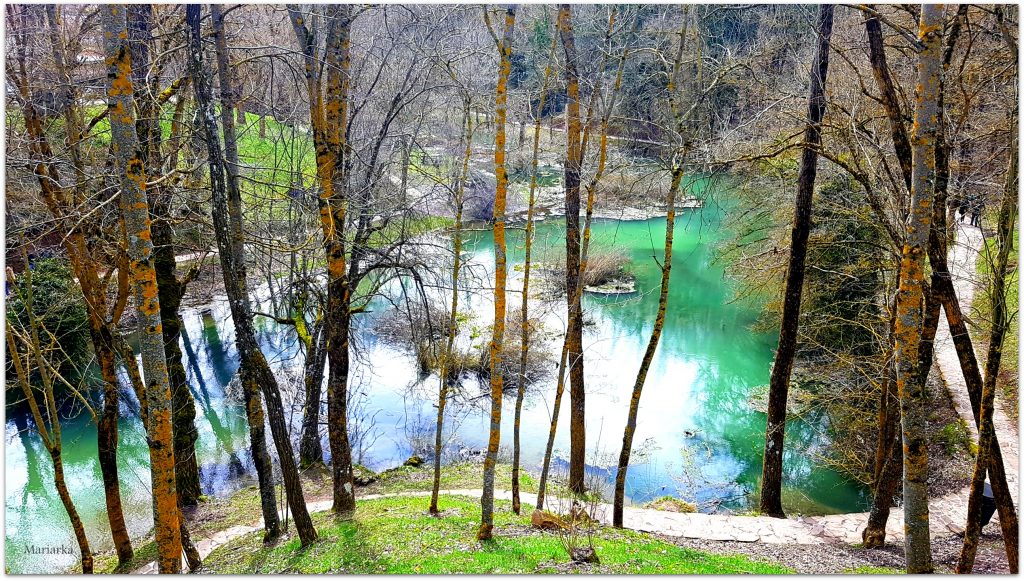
<point x="697" y="436"/>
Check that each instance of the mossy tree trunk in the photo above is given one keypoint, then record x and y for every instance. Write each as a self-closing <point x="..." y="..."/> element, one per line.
<point x="329" y="118"/>
<point x="485" y="531"/>
<point x="172" y="289"/>
<point x="913" y="392"/>
<point x="135" y="211"/>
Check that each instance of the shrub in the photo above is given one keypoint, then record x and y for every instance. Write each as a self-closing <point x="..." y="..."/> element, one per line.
<point x="57" y="303"/>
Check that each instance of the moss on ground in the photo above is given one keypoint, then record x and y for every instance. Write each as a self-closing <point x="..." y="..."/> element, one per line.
<point x="396" y="535"/>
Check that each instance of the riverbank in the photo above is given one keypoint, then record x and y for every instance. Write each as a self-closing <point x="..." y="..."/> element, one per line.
<point x="392" y="533"/>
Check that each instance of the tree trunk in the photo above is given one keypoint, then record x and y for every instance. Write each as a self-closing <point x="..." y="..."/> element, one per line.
<point x="573" y="274"/>
<point x="446" y="361"/>
<point x="498" y="335"/>
<point x="679" y="159"/>
<point x="135" y="209"/>
<point x="183" y="413"/>
<point x="237" y="297"/>
<point x="227" y="218"/>
<point x="329" y="119"/>
<point x="910" y="306"/>
<point x="890" y="101"/>
<point x="652" y="346"/>
<point x="50" y="438"/>
<point x="107" y="435"/>
<point x="310" y="449"/>
<point x="986" y="429"/>
<point x="771" y="475"/>
<point x="524" y="347"/>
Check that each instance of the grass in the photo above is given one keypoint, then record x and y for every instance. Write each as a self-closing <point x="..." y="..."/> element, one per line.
<point x="955" y="436"/>
<point x="107" y="562"/>
<point x="453" y="477"/>
<point x="396" y="535"/>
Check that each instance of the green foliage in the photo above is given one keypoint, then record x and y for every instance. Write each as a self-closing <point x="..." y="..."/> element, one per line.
<point x="844" y="276"/>
<point x="955" y="436"/>
<point x="396" y="535"/>
<point x="57" y="303"/>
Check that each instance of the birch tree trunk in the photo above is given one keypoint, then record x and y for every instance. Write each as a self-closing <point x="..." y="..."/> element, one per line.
<point x="778" y="390"/>
<point x="135" y="209"/>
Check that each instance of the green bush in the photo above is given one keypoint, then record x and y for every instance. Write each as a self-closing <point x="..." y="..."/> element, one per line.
<point x="58" y="306"/>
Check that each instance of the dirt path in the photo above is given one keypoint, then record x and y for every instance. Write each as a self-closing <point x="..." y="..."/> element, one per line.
<point x="948" y="513"/>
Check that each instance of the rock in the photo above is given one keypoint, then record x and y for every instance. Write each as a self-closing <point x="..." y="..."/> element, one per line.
<point x="613" y="287"/>
<point x="363" y="476"/>
<point x="669" y="504"/>
<point x="414" y="461"/>
<point x="584" y="555"/>
<point x="546" y="521"/>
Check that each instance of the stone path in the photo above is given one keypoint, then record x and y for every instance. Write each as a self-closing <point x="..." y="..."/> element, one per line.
<point x="963" y="257"/>
<point x="948" y="513"/>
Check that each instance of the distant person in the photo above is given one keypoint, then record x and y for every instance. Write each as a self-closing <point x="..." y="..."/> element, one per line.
<point x="976" y="214"/>
<point x="963" y="212"/>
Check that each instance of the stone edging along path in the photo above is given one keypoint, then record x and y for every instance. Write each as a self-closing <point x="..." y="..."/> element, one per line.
<point x="948" y="513"/>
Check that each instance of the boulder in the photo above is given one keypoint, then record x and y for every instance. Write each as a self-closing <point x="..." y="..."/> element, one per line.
<point x="584" y="555"/>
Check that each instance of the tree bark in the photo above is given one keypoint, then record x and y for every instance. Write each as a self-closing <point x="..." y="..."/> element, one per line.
<point x="446" y="361"/>
<point x="310" y="449"/>
<point x="524" y="322"/>
<point x="171" y="289"/>
<point x="910" y="306"/>
<point x="573" y="274"/>
<point x="986" y="429"/>
<point x="890" y="101"/>
<point x="227" y="218"/>
<point x="500" y="274"/>
<point x="771" y="475"/>
<point x="328" y="110"/>
<point x="135" y="209"/>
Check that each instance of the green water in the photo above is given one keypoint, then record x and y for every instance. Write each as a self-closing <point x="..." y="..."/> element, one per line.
<point x="701" y="439"/>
